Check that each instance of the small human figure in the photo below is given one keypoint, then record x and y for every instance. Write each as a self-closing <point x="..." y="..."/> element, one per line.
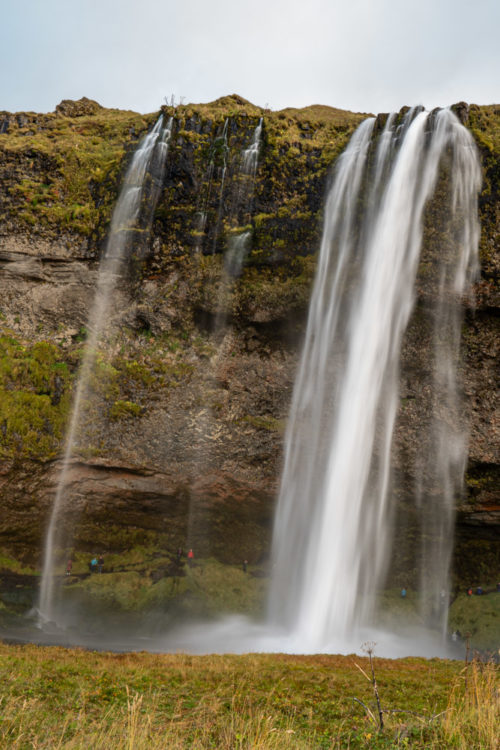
<point x="93" y="565"/>
<point x="69" y="567"/>
<point x="479" y="590"/>
<point x="100" y="563"/>
<point x="179" y="555"/>
<point x="190" y="558"/>
<point x="244" y="565"/>
<point x="454" y="636"/>
<point x="469" y="591"/>
<point x="403" y="593"/>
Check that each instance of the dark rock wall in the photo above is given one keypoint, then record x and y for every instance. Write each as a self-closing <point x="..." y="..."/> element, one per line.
<point x="184" y="436"/>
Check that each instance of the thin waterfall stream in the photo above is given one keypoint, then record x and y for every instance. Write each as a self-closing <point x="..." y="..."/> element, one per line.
<point x="223" y="147"/>
<point x="150" y="156"/>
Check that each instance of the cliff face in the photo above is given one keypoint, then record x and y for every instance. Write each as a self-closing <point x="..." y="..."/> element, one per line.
<point x="183" y="438"/>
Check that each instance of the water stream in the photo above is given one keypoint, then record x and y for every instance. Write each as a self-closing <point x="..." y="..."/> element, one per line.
<point x="149" y="159"/>
<point x="333" y="526"/>
<point x="222" y="145"/>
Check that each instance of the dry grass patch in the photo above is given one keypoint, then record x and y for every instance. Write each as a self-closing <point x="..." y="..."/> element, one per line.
<point x="54" y="697"/>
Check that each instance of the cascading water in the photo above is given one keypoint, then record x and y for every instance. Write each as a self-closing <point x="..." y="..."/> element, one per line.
<point x="248" y="169"/>
<point x="251" y="154"/>
<point x="149" y="159"/>
<point x="238" y="244"/>
<point x="224" y="147"/>
<point x="236" y="254"/>
<point x="333" y="526"/>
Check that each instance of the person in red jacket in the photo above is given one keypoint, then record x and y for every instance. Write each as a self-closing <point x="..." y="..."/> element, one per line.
<point x="190" y="558"/>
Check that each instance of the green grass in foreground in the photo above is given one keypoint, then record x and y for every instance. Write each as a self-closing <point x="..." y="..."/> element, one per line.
<point x="61" y="698"/>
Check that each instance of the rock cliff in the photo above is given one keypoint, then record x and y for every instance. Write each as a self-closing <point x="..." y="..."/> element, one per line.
<point x="184" y="437"/>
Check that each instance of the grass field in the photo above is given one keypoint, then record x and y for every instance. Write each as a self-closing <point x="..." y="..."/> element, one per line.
<point x="70" y="698"/>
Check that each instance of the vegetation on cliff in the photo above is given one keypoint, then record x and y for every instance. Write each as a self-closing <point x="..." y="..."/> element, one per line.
<point x="34" y="398"/>
<point x="166" y="394"/>
<point x="61" y="173"/>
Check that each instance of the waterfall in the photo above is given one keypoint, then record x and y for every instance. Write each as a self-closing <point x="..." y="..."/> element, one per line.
<point x="236" y="255"/>
<point x="238" y="244"/>
<point x="251" y="154"/>
<point x="224" y="146"/>
<point x="148" y="160"/>
<point x="333" y="525"/>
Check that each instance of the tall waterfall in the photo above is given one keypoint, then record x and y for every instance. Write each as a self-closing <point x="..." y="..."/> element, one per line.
<point x="148" y="161"/>
<point x="333" y="527"/>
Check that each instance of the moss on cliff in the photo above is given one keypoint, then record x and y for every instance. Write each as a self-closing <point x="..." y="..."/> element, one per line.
<point x="479" y="616"/>
<point x="484" y="123"/>
<point x="62" y="173"/>
<point x="34" y="398"/>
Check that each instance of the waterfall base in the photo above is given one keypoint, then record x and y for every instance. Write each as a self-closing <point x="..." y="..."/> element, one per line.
<point x="233" y="634"/>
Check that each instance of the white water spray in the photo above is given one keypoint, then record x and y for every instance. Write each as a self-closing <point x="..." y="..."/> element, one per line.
<point x="149" y="156"/>
<point x="250" y="158"/>
<point x="333" y="524"/>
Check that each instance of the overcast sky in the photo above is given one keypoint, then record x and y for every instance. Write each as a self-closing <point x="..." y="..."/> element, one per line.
<point x="362" y="55"/>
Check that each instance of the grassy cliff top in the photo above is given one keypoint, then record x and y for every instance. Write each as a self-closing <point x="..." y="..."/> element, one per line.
<point x="62" y="170"/>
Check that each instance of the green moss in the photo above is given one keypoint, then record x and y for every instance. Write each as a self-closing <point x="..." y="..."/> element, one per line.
<point x="84" y="154"/>
<point x="481" y="478"/>
<point x="484" y="122"/>
<point x="103" y="379"/>
<point x="137" y="372"/>
<point x="8" y="563"/>
<point x="276" y="290"/>
<point x="124" y="410"/>
<point x="140" y="582"/>
<point x="34" y="398"/>
<point x="266" y="423"/>
<point x="479" y="616"/>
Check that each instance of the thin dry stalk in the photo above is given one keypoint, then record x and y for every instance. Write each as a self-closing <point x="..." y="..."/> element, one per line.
<point x="369" y="648"/>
